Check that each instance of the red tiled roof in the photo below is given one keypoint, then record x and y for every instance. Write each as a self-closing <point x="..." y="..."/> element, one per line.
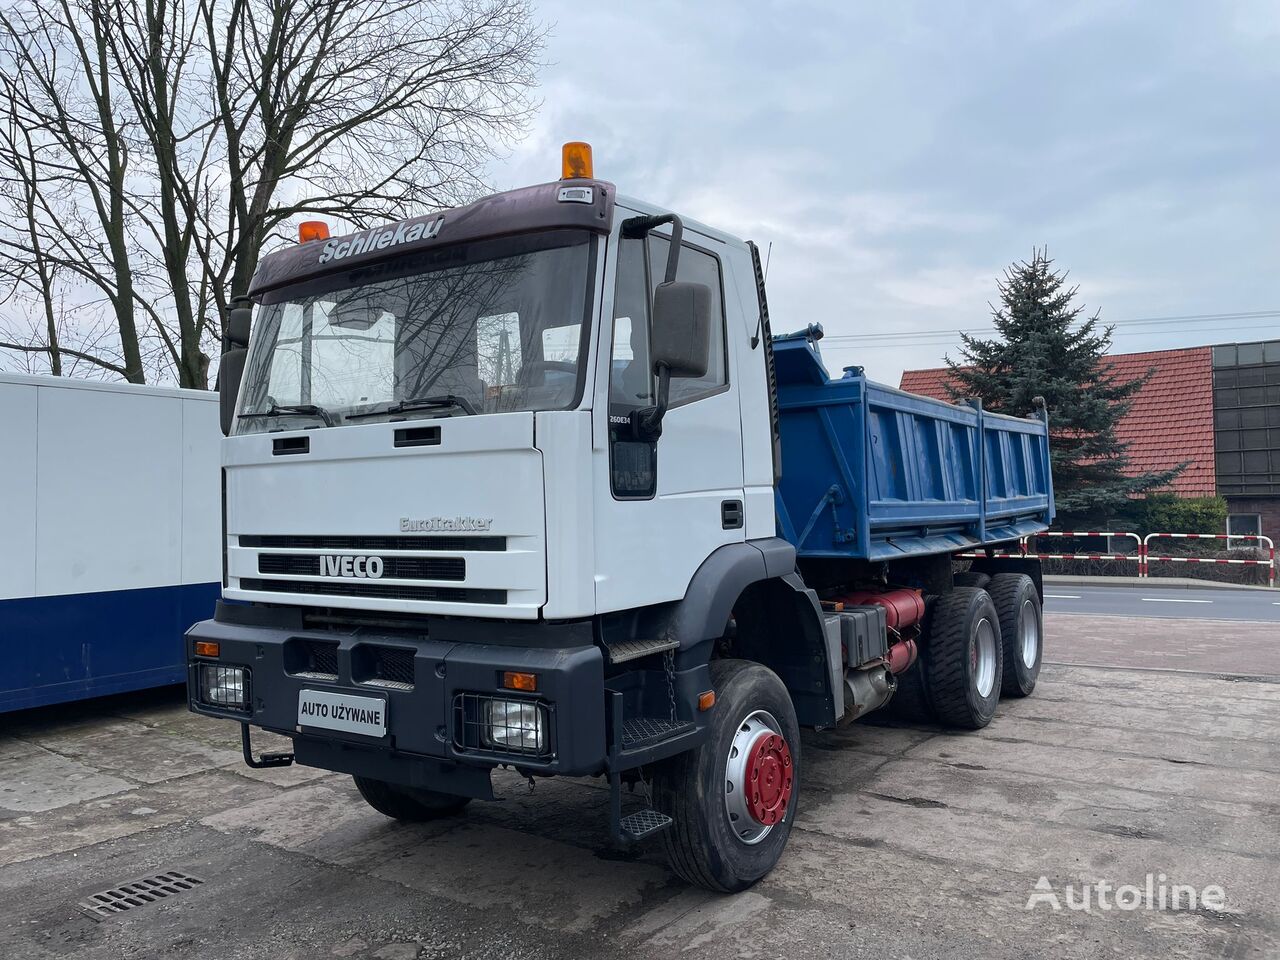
<point x="1170" y="421"/>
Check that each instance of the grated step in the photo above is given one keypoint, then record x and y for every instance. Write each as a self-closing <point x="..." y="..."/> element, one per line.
<point x="643" y="823"/>
<point x="626" y="650"/>
<point x="641" y="730"/>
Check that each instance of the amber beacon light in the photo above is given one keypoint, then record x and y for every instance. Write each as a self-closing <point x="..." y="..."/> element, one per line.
<point x="575" y="161"/>
<point x="312" y="230"/>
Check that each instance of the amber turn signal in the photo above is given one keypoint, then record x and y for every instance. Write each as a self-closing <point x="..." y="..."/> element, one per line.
<point x="706" y="700"/>
<point x="207" y="648"/>
<point x="527" y="682"/>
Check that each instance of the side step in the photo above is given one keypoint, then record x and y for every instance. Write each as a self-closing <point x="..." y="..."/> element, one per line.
<point x="626" y="650"/>
<point x="643" y="823"/>
<point x="640" y="731"/>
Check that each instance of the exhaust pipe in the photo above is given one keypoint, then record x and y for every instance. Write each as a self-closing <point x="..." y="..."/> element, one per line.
<point x="867" y="690"/>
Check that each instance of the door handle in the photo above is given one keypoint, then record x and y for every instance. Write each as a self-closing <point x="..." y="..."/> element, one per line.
<point x="731" y="514"/>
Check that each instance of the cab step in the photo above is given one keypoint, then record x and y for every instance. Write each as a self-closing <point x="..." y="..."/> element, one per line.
<point x="625" y="650"/>
<point x="643" y="823"/>
<point x="640" y="732"/>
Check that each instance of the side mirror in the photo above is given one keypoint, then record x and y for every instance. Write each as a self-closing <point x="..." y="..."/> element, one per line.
<point x="229" y="376"/>
<point x="679" y="345"/>
<point x="238" y="319"/>
<point x="235" y="348"/>
<point x="681" y="338"/>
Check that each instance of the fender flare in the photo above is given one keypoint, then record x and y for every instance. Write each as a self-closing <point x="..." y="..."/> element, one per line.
<point x="808" y="662"/>
<point x="720" y="580"/>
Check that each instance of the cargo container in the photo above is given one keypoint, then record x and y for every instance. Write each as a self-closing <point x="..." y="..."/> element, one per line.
<point x="108" y="537"/>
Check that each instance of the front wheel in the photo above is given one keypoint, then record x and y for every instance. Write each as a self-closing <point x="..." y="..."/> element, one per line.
<point x="733" y="799"/>
<point x="410" y="804"/>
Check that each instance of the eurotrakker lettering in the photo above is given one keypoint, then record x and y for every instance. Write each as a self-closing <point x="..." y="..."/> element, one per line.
<point x="445" y="524"/>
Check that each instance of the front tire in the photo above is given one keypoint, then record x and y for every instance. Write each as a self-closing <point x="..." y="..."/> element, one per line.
<point x="408" y="804"/>
<point x="733" y="799"/>
<point x="963" y="665"/>
<point x="1021" y="630"/>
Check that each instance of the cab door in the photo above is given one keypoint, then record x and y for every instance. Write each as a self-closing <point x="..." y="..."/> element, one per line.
<point x="662" y="507"/>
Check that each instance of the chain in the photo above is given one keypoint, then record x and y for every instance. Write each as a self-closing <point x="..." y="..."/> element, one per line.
<point x="669" y="664"/>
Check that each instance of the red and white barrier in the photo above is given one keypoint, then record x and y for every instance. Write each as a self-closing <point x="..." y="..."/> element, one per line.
<point x="1143" y="555"/>
<point x="1136" y="556"/>
<point x="1269" y="563"/>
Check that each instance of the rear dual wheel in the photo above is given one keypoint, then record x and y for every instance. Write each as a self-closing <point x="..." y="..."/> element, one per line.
<point x="962" y="665"/>
<point x="1021" y="630"/>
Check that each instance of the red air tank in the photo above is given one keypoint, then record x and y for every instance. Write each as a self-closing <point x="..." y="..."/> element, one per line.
<point x="902" y="607"/>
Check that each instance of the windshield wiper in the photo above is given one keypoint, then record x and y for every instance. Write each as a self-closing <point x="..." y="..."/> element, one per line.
<point x="419" y="403"/>
<point x="307" y="409"/>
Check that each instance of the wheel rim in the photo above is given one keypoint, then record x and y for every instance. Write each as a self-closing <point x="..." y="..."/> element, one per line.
<point x="759" y="778"/>
<point x="1029" y="629"/>
<point x="983" y="658"/>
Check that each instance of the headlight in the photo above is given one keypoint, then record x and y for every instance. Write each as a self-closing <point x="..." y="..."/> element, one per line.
<point x="514" y="725"/>
<point x="224" y="686"/>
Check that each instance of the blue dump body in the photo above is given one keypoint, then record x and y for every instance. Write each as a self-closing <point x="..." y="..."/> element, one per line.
<point x="874" y="473"/>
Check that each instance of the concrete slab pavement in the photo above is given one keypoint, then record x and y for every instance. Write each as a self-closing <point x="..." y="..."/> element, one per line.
<point x="912" y="841"/>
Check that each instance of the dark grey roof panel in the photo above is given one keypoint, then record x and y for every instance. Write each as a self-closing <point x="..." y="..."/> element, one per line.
<point x="503" y="214"/>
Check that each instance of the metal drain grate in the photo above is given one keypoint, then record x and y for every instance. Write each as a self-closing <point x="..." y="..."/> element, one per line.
<point x="138" y="893"/>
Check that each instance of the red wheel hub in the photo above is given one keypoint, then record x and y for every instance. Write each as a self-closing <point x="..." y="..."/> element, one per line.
<point x="769" y="779"/>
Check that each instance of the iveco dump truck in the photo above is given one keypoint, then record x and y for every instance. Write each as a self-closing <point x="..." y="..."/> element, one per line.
<point x="530" y="483"/>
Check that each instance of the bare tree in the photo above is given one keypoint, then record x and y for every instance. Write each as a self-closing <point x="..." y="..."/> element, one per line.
<point x="155" y="148"/>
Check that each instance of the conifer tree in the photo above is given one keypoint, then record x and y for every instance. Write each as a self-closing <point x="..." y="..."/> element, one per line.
<point x="1044" y="349"/>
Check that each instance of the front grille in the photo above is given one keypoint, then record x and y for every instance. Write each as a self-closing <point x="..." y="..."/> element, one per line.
<point x="311" y="659"/>
<point x="396" y="568"/>
<point x="372" y="588"/>
<point x="373" y="544"/>
<point x="391" y="667"/>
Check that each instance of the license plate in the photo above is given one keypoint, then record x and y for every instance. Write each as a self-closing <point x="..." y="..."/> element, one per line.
<point x="366" y="716"/>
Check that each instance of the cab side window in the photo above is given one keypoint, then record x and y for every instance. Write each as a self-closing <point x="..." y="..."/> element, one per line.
<point x="630" y="377"/>
<point x="632" y="463"/>
<point x="696" y="267"/>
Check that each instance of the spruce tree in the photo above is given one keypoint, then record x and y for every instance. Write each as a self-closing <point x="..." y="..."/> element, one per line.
<point x="1044" y="349"/>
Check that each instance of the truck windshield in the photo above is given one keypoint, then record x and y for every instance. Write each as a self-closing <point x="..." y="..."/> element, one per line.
<point x="486" y="327"/>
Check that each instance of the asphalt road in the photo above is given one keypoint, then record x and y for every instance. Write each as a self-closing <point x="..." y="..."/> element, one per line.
<point x="1155" y="602"/>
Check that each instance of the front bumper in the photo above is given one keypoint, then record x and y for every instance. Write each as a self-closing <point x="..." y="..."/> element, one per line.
<point x="430" y="695"/>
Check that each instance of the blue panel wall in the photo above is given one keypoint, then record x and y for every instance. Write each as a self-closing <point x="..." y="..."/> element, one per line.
<point x="59" y="648"/>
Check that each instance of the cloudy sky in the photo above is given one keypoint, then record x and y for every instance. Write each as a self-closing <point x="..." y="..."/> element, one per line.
<point x="899" y="155"/>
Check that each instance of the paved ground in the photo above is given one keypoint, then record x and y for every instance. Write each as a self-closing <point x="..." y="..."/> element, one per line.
<point x="1147" y="599"/>
<point x="1197" y="646"/>
<point x="912" y="842"/>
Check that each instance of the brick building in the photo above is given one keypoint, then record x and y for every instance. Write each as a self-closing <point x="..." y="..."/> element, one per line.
<point x="1215" y="408"/>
